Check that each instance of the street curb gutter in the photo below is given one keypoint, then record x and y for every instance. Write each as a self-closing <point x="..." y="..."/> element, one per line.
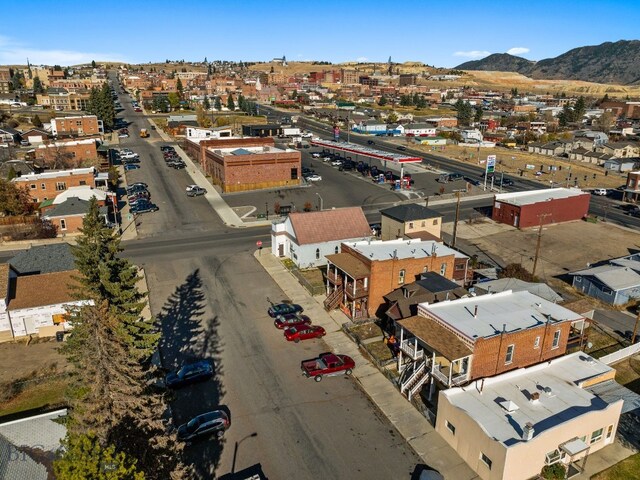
<point x="410" y="424"/>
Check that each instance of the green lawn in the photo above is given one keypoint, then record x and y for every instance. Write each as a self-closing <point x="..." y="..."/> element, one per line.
<point x="624" y="470"/>
<point x="48" y="393"/>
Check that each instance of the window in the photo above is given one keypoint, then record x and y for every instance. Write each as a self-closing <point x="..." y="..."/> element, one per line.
<point x="423" y="223"/>
<point x="294" y="174"/>
<point x="556" y="339"/>
<point x="425" y="269"/>
<point x="63" y="224"/>
<point x="450" y="427"/>
<point x="83" y="182"/>
<point x="596" y="436"/>
<point x="536" y="342"/>
<point x="609" y="431"/>
<point x="43" y="186"/>
<point x="317" y="253"/>
<point x="460" y="266"/>
<point x="443" y="269"/>
<point x="61" y="186"/>
<point x="410" y="224"/>
<point x="578" y="279"/>
<point x="33" y="186"/>
<point x="509" y="357"/>
<point x="401" y="276"/>
<point x="486" y="460"/>
<point x="435" y="221"/>
<point x="337" y="250"/>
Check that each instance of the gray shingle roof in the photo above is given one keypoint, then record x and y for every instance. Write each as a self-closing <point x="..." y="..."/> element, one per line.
<point x="71" y="206"/>
<point x="56" y="257"/>
<point x="409" y="212"/>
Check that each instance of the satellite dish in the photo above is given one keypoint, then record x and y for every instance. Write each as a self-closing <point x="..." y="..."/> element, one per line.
<point x="589" y="345"/>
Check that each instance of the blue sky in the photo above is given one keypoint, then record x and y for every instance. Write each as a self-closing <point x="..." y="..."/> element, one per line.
<point x="434" y="32"/>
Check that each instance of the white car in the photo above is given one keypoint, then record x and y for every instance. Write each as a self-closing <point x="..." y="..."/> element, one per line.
<point x="195" y="191"/>
<point x="316" y="155"/>
<point x="313" y="178"/>
<point x="123" y="135"/>
<point x="327" y="159"/>
<point x="129" y="155"/>
<point x="336" y="163"/>
<point x="600" y="191"/>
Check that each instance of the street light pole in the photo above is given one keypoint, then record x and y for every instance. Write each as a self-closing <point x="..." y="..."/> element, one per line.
<point x="235" y="450"/>
<point x="266" y="209"/>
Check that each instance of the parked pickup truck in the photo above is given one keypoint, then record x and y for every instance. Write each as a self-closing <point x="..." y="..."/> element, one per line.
<point x="327" y="365"/>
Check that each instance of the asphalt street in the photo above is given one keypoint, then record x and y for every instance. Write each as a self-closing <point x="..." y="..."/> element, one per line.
<point x="211" y="296"/>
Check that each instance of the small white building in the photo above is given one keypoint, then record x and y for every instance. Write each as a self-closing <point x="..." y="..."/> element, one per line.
<point x="196" y="133"/>
<point x="306" y="237"/>
<point x="417" y="130"/>
<point x="471" y="136"/>
<point x="512" y="425"/>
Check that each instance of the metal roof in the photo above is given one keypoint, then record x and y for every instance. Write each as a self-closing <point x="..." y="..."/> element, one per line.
<point x="536" y="196"/>
<point x="410" y="211"/>
<point x="556" y="384"/>
<point x="366" y="151"/>
<point x="613" y="276"/>
<point x="413" y="248"/>
<point x="488" y="315"/>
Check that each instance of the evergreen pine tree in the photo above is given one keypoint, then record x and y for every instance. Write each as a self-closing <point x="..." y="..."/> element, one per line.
<point x="206" y="104"/>
<point x="37" y="85"/>
<point x="179" y="87"/>
<point x="217" y="104"/>
<point x="230" y="103"/>
<point x="36" y="121"/>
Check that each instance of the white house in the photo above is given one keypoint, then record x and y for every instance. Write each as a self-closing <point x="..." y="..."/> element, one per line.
<point x="471" y="136"/>
<point x="34" y="304"/>
<point x="417" y="130"/>
<point x="195" y="133"/>
<point x="306" y="237"/>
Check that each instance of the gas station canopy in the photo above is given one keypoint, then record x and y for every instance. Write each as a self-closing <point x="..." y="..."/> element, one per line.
<point x="366" y="151"/>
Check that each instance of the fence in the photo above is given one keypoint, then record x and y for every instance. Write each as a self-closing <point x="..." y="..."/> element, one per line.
<point x="311" y="288"/>
<point x="18" y="220"/>
<point x="620" y="354"/>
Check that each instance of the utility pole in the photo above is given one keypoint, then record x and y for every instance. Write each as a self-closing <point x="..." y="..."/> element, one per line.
<point x="455" y="222"/>
<point x="542" y="216"/>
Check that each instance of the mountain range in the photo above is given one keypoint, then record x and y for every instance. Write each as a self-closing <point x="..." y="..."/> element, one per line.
<point x="610" y="62"/>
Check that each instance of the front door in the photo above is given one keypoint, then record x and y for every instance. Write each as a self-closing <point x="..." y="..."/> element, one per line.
<point x="281" y="250"/>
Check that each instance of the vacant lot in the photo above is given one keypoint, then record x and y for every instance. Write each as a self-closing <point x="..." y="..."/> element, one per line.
<point x="19" y="360"/>
<point x="564" y="248"/>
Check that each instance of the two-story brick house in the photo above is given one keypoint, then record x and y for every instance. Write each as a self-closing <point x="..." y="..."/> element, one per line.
<point x="454" y="342"/>
<point x="47" y="185"/>
<point x="76" y="126"/>
<point x="361" y="275"/>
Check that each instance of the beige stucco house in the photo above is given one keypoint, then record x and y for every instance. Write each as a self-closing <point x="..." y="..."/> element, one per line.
<point x="410" y="220"/>
<point x="512" y="425"/>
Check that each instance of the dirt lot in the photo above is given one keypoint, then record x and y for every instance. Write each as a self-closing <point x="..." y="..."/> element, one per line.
<point x="511" y="161"/>
<point x="20" y="360"/>
<point x="564" y="248"/>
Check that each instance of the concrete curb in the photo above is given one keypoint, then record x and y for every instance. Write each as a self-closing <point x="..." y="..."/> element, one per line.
<point x="411" y="424"/>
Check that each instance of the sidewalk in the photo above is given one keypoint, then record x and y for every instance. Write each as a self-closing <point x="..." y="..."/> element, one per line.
<point x="411" y="424"/>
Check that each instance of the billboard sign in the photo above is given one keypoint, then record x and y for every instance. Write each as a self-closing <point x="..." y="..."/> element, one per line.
<point x="491" y="163"/>
<point x="336" y="132"/>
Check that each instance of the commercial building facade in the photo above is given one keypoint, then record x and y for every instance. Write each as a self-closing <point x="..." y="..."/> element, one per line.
<point x="47" y="185"/>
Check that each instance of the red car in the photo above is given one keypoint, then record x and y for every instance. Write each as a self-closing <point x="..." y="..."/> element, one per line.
<point x="303" y="332"/>
<point x="291" y="320"/>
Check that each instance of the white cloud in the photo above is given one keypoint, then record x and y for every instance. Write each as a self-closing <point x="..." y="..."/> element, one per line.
<point x="12" y="52"/>
<point x="362" y="59"/>
<point x="472" y="54"/>
<point x="517" y="50"/>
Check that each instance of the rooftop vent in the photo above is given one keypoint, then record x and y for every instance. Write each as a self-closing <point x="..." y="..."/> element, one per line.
<point x="535" y="396"/>
<point x="547" y="390"/>
<point x="528" y="431"/>
<point x="509" y="406"/>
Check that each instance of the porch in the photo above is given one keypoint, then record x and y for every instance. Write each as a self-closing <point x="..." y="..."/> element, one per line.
<point x="347" y="285"/>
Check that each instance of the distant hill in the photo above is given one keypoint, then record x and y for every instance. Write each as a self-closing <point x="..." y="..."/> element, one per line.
<point x="610" y="62"/>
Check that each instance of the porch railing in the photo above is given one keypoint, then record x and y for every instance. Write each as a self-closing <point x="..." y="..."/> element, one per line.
<point x="334" y="278"/>
<point x="444" y="376"/>
<point x="407" y="346"/>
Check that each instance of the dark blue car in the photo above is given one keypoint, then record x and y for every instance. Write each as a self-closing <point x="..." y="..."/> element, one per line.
<point x="283" y="309"/>
<point x="190" y="373"/>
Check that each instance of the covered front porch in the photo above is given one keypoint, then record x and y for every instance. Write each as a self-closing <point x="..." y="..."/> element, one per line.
<point x="347" y="285"/>
<point x="424" y="342"/>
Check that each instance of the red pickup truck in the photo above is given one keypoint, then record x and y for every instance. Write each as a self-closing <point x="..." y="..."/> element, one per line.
<point x="327" y="365"/>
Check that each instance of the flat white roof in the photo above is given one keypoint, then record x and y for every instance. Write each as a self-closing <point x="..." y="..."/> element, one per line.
<point x="558" y="385"/>
<point x="54" y="174"/>
<point x="537" y="196"/>
<point x="72" y="143"/>
<point x="487" y="315"/>
<point x="239" y="151"/>
<point x="413" y="248"/>
<point x="83" y="192"/>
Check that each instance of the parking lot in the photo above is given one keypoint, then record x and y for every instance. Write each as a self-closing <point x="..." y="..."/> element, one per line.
<point x="341" y="188"/>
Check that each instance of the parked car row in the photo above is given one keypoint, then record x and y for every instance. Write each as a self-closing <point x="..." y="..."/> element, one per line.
<point x="215" y="422"/>
<point x="296" y="326"/>
<point x="139" y="199"/>
<point x="171" y="157"/>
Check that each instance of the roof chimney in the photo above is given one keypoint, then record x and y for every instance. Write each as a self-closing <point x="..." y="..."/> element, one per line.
<point x="527" y="431"/>
<point x="475" y="312"/>
<point x="535" y="397"/>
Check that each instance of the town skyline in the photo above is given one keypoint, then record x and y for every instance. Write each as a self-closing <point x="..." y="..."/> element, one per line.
<point x="305" y="33"/>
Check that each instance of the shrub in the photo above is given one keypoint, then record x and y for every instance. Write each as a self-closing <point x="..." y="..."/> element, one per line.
<point x="553" y="472"/>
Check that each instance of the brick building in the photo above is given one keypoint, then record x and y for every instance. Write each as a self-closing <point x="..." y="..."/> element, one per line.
<point x="531" y="208"/>
<point x="240" y="164"/>
<point x="69" y="215"/>
<point x="5" y="79"/>
<point x="361" y="275"/>
<point x="454" y="342"/>
<point x="80" y="126"/>
<point x="442" y="122"/>
<point x="74" y="151"/>
<point x="47" y="185"/>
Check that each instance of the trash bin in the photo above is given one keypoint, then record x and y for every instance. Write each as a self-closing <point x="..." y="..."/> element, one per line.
<point x="60" y="336"/>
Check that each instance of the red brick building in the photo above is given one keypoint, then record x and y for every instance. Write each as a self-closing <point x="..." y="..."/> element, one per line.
<point x="462" y="340"/>
<point x="239" y="164"/>
<point x="364" y="272"/>
<point x="67" y="152"/>
<point x="80" y="126"/>
<point x="47" y="185"/>
<point x="530" y="209"/>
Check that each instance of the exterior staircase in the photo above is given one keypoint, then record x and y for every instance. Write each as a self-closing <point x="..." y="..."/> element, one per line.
<point x="333" y="300"/>
<point x="414" y="382"/>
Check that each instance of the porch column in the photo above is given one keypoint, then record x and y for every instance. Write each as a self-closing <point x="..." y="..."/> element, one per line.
<point x="354" y="286"/>
<point x="451" y="371"/>
<point x="353" y="309"/>
<point x="415" y="346"/>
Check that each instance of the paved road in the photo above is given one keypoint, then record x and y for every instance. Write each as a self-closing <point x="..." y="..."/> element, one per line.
<point x="211" y="296"/>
